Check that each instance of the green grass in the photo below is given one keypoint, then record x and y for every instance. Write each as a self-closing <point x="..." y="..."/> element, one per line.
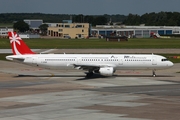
<point x="95" y="43"/>
<point x="6" y="25"/>
<point x="3" y="56"/>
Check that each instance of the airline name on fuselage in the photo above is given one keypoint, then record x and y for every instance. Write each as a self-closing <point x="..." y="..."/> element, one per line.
<point x="133" y="57"/>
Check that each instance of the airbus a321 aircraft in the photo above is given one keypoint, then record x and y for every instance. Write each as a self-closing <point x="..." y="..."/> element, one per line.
<point x="104" y="64"/>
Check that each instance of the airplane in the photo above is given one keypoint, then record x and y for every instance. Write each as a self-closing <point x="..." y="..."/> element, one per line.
<point x="103" y="64"/>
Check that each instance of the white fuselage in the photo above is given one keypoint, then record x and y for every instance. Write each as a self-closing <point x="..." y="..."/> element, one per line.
<point x="117" y="61"/>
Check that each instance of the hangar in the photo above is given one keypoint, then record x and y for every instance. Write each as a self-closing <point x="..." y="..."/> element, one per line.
<point x="134" y="31"/>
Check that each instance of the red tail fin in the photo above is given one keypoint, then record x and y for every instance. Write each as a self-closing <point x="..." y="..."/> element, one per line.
<point x="17" y="45"/>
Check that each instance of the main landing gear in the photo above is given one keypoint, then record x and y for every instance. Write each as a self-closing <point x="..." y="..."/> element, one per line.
<point x="89" y="74"/>
<point x="154" y="74"/>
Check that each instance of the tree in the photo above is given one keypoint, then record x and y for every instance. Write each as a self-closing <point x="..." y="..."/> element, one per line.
<point x="133" y="19"/>
<point x="88" y="19"/>
<point x="100" y="20"/>
<point x="21" y="26"/>
<point x="43" y="29"/>
<point x="78" y="18"/>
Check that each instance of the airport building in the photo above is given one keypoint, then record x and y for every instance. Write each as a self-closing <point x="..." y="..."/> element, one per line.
<point x="28" y="36"/>
<point x="69" y="30"/>
<point x="33" y="24"/>
<point x="134" y="31"/>
<point x="4" y="31"/>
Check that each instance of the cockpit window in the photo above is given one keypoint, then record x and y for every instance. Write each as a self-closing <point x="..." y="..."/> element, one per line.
<point x="164" y="60"/>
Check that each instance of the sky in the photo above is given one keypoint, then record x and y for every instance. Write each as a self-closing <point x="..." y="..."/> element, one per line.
<point x="89" y="7"/>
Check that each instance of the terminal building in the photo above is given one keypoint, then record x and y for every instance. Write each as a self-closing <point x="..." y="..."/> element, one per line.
<point x="69" y="30"/>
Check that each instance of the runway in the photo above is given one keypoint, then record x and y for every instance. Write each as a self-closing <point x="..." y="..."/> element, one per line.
<point x="30" y="93"/>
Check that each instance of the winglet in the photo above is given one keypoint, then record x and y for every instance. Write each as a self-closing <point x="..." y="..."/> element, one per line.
<point x="17" y="44"/>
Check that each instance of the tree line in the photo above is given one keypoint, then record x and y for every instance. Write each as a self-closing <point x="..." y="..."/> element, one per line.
<point x="149" y="19"/>
<point x="57" y="18"/>
<point x="154" y="19"/>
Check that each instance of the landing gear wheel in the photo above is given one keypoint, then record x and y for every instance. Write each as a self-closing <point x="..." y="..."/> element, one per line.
<point x="154" y="74"/>
<point x="89" y="74"/>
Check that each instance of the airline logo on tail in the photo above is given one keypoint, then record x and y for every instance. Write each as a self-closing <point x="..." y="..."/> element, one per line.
<point x="17" y="44"/>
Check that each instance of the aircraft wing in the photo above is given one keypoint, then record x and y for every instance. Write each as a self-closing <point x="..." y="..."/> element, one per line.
<point x="48" y="51"/>
<point x="91" y="66"/>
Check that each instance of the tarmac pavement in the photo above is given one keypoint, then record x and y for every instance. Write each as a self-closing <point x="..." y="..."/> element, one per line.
<point x="30" y="93"/>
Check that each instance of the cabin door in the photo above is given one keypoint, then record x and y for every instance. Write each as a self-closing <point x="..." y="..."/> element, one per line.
<point x="154" y="60"/>
<point x="120" y="61"/>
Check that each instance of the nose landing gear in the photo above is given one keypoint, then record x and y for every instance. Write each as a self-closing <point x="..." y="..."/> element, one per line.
<point x="154" y="74"/>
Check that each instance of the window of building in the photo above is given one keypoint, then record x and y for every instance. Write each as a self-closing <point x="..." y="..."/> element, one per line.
<point x="79" y="26"/>
<point x="60" y="30"/>
<point x="67" y="26"/>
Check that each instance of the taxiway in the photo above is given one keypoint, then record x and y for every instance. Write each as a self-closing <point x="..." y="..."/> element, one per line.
<point x="29" y="93"/>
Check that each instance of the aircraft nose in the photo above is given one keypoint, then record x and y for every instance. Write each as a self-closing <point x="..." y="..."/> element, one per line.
<point x="170" y="64"/>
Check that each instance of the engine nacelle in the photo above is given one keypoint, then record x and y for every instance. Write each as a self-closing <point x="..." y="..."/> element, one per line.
<point x="106" y="71"/>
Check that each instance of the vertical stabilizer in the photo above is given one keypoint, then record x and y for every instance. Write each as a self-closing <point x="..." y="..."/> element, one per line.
<point x="17" y="44"/>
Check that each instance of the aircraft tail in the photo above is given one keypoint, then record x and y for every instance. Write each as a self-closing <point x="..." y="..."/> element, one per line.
<point x="17" y="44"/>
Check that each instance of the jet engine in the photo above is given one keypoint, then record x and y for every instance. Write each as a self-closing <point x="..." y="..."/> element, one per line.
<point x="106" y="71"/>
